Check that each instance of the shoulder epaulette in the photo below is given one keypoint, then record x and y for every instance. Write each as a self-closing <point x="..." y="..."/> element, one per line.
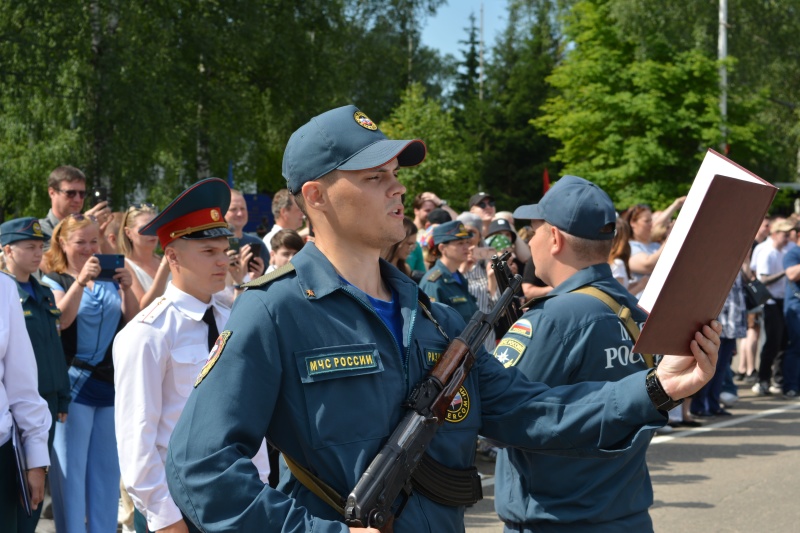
<point x="436" y="274"/>
<point x="267" y="278"/>
<point x="155" y="310"/>
<point x="534" y="301"/>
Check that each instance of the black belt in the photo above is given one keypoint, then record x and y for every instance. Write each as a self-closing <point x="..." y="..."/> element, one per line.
<point x="101" y="371"/>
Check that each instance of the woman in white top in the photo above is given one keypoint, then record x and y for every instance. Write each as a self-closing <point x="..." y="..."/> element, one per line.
<point x="619" y="256"/>
<point x="151" y="272"/>
<point x="644" y="250"/>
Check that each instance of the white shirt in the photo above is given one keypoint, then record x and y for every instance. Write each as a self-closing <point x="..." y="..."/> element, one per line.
<point x="766" y="244"/>
<point x="157" y="358"/>
<point x="19" y="382"/>
<point x="769" y="262"/>
<point x="268" y="237"/>
<point x="619" y="272"/>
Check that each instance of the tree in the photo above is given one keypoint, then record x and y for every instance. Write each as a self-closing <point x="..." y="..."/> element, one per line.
<point x="467" y="79"/>
<point x="449" y="169"/>
<point x="146" y="97"/>
<point x="636" y="119"/>
<point x="515" y="150"/>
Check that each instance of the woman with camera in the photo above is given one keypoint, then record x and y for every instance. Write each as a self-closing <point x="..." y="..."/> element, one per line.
<point x="94" y="305"/>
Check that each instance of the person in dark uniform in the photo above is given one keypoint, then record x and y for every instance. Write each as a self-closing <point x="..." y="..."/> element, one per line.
<point x="444" y="283"/>
<point x="320" y="355"/>
<point x="23" y="241"/>
<point x="572" y="337"/>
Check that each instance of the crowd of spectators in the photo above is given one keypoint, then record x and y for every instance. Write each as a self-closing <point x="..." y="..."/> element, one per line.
<point x="451" y="263"/>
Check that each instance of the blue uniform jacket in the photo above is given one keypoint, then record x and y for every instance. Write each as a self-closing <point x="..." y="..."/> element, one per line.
<point x="440" y="286"/>
<point x="565" y="339"/>
<point x="42" y="322"/>
<point x="308" y="363"/>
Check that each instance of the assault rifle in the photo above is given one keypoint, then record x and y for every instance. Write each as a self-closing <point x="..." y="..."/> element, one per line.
<point x="371" y="502"/>
<point x="503" y="274"/>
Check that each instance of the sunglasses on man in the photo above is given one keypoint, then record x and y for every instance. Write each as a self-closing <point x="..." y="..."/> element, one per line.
<point x="71" y="193"/>
<point x="483" y="204"/>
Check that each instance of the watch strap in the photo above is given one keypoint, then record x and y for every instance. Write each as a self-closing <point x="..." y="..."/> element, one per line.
<point x="657" y="394"/>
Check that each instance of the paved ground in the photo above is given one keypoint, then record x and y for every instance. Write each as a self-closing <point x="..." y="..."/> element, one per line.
<point x="735" y="474"/>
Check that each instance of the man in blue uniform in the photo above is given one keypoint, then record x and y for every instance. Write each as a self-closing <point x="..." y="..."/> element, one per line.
<point x="23" y="242"/>
<point x="443" y="282"/>
<point x="320" y="355"/>
<point x="571" y="337"/>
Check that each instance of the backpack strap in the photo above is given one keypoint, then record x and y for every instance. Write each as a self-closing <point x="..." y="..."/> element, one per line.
<point x="622" y="312"/>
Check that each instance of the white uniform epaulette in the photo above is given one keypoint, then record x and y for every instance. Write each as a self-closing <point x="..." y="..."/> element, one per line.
<point x="154" y="310"/>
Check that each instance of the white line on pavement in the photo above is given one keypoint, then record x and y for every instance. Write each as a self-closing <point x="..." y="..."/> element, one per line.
<point x="733" y="421"/>
<point x="488" y="480"/>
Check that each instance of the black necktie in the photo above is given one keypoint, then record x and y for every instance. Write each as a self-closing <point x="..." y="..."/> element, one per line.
<point x="213" y="332"/>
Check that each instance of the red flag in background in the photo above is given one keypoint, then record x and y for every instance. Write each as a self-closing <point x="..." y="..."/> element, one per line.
<point x="545" y="181"/>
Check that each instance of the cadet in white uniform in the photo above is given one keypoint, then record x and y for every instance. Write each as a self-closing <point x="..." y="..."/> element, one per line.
<point x="19" y="396"/>
<point x="159" y="355"/>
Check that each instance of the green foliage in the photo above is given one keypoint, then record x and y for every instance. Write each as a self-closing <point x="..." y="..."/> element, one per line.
<point x="147" y="97"/>
<point x="449" y="169"/>
<point x="638" y="126"/>
<point x="515" y="151"/>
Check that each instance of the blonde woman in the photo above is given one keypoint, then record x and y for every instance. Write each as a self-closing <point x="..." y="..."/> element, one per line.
<point x="151" y="272"/>
<point x="85" y="470"/>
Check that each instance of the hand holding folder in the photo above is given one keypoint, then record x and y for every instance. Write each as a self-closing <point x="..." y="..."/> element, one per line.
<point x="703" y="254"/>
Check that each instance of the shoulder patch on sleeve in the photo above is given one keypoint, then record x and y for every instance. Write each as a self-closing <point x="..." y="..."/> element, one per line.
<point x="436" y="274"/>
<point x="154" y="311"/>
<point x="522" y="327"/>
<point x="267" y="278"/>
<point x="509" y="352"/>
<point x="216" y="351"/>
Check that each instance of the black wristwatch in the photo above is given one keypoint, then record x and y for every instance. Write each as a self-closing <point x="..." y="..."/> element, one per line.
<point x="658" y="396"/>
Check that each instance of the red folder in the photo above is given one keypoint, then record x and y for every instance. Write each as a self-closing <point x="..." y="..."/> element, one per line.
<point x="705" y="250"/>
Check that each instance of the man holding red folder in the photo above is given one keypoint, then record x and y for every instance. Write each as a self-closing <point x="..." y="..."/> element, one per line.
<point x="570" y="337"/>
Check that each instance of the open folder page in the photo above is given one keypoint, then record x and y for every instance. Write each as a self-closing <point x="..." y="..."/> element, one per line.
<point x="703" y="254"/>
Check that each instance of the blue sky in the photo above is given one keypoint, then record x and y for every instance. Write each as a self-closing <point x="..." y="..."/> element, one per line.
<point x="447" y="28"/>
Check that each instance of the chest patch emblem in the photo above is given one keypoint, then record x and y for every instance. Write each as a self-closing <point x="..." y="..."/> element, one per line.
<point x="458" y="299"/>
<point x="216" y="351"/>
<point x="324" y="364"/>
<point x="509" y="352"/>
<point x="522" y="327"/>
<point x="459" y="407"/>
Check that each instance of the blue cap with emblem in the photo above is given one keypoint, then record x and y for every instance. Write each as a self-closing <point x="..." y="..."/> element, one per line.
<point x="22" y="229"/>
<point x="575" y="206"/>
<point x="346" y="139"/>
<point x="197" y="213"/>
<point x="450" y="231"/>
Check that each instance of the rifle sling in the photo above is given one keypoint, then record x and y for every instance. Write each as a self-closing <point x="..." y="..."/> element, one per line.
<point x="622" y="312"/>
<point x="322" y="490"/>
<point x="438" y="483"/>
